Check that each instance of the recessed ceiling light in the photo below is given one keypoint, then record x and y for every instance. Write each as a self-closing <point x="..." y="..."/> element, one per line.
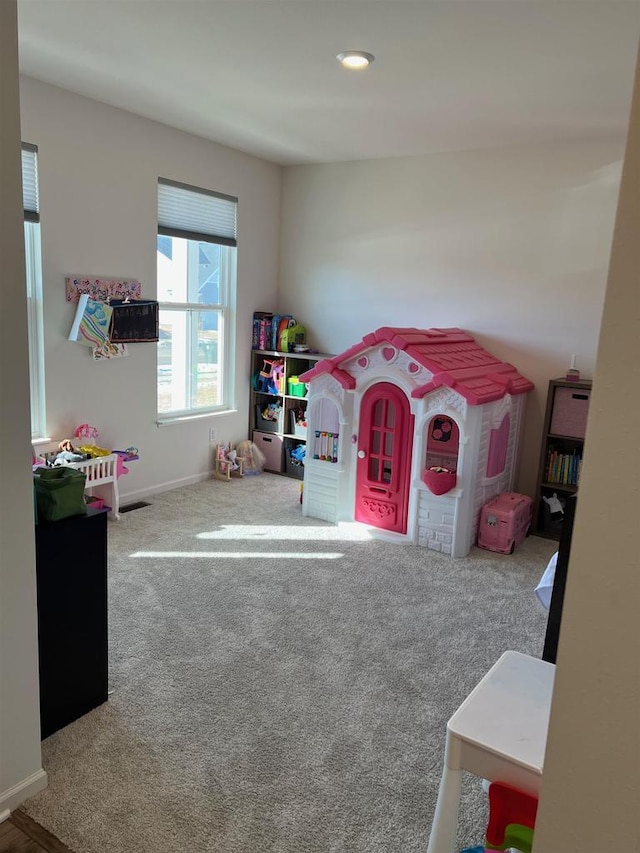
<point x="355" y="59"/>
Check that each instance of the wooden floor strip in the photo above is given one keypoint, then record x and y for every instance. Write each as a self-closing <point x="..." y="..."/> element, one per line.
<point x="13" y="840"/>
<point x="30" y="838"/>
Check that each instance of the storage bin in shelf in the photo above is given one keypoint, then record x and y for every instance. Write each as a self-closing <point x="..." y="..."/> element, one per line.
<point x="298" y="429"/>
<point x="273" y="422"/>
<point x="271" y="446"/>
<point x="294" y="467"/>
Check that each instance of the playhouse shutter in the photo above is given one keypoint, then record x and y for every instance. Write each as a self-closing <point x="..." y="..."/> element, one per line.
<point x="195" y="214"/>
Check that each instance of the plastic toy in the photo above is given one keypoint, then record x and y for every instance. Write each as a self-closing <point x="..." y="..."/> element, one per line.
<point x="297" y="453"/>
<point x="512" y="818"/>
<point x="130" y="454"/>
<point x="270" y="380"/>
<point x="271" y="412"/>
<point x="505" y="521"/>
<point x="292" y="336"/>
<point x="436" y="421"/>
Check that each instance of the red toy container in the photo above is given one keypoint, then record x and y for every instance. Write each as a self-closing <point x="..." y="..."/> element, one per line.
<point x="505" y="521"/>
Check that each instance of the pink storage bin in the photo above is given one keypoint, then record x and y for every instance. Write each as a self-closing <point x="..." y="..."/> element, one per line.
<point x="271" y="446"/>
<point x="505" y="521"/>
<point x="94" y="502"/>
<point x="570" y="410"/>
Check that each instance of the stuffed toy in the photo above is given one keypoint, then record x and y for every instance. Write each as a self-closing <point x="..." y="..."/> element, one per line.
<point x="252" y="457"/>
<point x="231" y="458"/>
<point x="555" y="507"/>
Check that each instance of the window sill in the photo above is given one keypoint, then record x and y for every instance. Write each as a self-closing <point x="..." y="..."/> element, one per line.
<point x="36" y="442"/>
<point x="170" y="420"/>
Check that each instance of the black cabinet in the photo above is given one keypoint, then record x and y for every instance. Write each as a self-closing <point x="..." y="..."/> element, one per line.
<point x="71" y="572"/>
<point x="559" y="583"/>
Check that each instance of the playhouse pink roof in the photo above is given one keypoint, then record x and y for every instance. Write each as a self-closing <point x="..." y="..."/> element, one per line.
<point x="451" y="355"/>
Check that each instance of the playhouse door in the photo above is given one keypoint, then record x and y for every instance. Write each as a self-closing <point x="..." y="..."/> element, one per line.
<point x="384" y="458"/>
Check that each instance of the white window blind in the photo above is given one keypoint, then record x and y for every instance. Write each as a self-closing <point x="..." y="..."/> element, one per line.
<point x="196" y="214"/>
<point x="30" y="182"/>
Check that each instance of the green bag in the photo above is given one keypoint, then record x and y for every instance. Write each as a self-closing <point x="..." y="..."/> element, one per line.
<point x="59" y="493"/>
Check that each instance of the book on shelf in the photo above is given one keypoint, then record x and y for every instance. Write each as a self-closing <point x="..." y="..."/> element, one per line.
<point x="261" y="338"/>
<point x="563" y="468"/>
<point x="268" y="329"/>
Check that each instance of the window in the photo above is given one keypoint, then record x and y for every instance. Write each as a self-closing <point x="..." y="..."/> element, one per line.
<point x="196" y="259"/>
<point x="443" y="441"/>
<point x="498" y="443"/>
<point x="33" y="265"/>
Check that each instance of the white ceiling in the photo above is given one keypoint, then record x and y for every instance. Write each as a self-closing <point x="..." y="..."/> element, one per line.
<point x="261" y="75"/>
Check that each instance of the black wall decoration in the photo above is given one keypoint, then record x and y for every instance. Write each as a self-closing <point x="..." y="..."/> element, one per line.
<point x="134" y="321"/>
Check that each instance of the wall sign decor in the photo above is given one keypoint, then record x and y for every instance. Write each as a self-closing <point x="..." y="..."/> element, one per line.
<point x="102" y="289"/>
<point x="135" y="320"/>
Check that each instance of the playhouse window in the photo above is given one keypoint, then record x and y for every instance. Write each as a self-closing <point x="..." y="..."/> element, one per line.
<point x="324" y="415"/>
<point x="443" y="440"/>
<point x="388" y="444"/>
<point x="497" y="457"/>
<point x="383" y="415"/>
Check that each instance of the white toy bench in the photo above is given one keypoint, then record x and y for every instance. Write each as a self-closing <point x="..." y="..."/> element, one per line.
<point x="101" y="473"/>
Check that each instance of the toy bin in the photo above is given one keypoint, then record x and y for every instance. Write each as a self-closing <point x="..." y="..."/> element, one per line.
<point x="297" y="428"/>
<point x="94" y="502"/>
<point x="294" y="467"/>
<point x="505" y="521"/>
<point x="267" y="424"/>
<point x="271" y="446"/>
<point x="570" y="410"/>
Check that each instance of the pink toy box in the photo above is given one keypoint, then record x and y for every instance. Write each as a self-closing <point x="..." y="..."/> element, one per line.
<point x="505" y="521"/>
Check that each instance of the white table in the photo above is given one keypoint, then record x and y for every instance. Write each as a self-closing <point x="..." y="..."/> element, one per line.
<point x="498" y="733"/>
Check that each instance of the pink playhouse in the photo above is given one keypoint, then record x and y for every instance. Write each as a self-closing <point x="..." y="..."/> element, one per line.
<point x="412" y="431"/>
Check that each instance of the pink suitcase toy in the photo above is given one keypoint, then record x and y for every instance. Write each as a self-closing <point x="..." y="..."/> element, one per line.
<point x="505" y="521"/>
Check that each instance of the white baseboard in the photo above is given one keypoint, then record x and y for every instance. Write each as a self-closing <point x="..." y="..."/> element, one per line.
<point x="16" y="795"/>
<point x="130" y="497"/>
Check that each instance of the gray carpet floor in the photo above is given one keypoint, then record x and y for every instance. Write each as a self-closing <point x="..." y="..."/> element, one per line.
<point x="280" y="683"/>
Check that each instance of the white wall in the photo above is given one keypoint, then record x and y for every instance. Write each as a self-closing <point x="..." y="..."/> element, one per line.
<point x="98" y="169"/>
<point x="511" y="245"/>
<point x="21" y="771"/>
<point x="591" y="785"/>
